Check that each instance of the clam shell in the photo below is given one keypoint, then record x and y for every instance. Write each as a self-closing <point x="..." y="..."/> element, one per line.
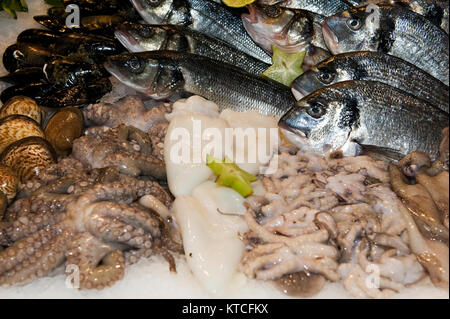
<point x="63" y="128"/>
<point x="22" y="105"/>
<point x="8" y="182"/>
<point x="27" y="157"/>
<point x="16" y="127"/>
<point x="3" y="206"/>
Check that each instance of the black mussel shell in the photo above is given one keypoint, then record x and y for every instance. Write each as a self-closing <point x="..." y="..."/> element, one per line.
<point x="52" y="23"/>
<point x="78" y="95"/>
<point x="38" y="36"/>
<point x="24" y="76"/>
<point x="67" y="73"/>
<point x="35" y="91"/>
<point x="11" y="61"/>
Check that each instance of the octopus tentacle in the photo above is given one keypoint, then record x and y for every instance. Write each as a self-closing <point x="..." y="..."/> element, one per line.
<point x="26" y="225"/>
<point x="34" y="256"/>
<point x="87" y="252"/>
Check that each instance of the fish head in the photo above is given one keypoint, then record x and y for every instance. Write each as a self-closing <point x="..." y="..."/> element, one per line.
<point x="141" y="37"/>
<point x="350" y="31"/>
<point x="290" y="30"/>
<point x="320" y="121"/>
<point x="152" y="74"/>
<point x="162" y="11"/>
<point x="324" y="74"/>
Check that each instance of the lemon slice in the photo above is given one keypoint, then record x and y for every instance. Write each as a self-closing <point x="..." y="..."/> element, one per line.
<point x="237" y="3"/>
<point x="286" y="67"/>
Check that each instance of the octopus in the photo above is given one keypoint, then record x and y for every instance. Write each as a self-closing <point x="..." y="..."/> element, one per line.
<point x="330" y="219"/>
<point x="133" y="151"/>
<point x="130" y="111"/>
<point x="90" y="219"/>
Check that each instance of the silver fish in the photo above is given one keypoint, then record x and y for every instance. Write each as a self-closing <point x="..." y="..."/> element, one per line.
<point x="205" y="16"/>
<point x="365" y="116"/>
<point x="148" y="37"/>
<point x="289" y="29"/>
<point x="392" y="30"/>
<point x="162" y="74"/>
<point x="373" y="66"/>
<point x="322" y="7"/>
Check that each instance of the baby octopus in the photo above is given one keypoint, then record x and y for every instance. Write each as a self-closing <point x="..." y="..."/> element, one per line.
<point x="96" y="225"/>
<point x="329" y="218"/>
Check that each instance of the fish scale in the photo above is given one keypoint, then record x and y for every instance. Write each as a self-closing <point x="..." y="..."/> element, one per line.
<point x="383" y="117"/>
<point x="323" y="7"/>
<point x="376" y="66"/>
<point x="212" y="19"/>
<point x="402" y="33"/>
<point x="166" y="73"/>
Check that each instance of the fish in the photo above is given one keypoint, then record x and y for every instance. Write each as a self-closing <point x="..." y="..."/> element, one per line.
<point x="322" y="7"/>
<point x="359" y="117"/>
<point x="204" y="16"/>
<point x="373" y="66"/>
<point x="290" y="30"/>
<point x="435" y="11"/>
<point x="140" y="38"/>
<point x="391" y="30"/>
<point x="164" y="74"/>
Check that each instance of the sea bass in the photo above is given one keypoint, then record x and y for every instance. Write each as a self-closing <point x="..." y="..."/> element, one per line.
<point x="148" y="37"/>
<point x="392" y="30"/>
<point x="204" y="16"/>
<point x="322" y="7"/>
<point x="162" y="74"/>
<point x="365" y="116"/>
<point x="373" y="66"/>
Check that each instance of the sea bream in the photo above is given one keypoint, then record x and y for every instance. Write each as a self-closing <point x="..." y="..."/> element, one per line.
<point x="323" y="7"/>
<point x="163" y="74"/>
<point x="373" y="66"/>
<point x="148" y="37"/>
<point x="288" y="29"/>
<point x="392" y="30"/>
<point x="205" y="16"/>
<point x="365" y="116"/>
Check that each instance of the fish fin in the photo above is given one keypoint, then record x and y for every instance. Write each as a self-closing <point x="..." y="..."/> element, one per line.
<point x="382" y="153"/>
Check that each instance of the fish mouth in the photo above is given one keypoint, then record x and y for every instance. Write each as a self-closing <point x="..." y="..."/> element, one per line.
<point x="298" y="92"/>
<point x="127" y="40"/>
<point x="331" y="40"/>
<point x="137" y="4"/>
<point x="252" y="16"/>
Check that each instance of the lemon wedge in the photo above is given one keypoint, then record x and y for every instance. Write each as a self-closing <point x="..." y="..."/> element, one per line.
<point x="237" y="3"/>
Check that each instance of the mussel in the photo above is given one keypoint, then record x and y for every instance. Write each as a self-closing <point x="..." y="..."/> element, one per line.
<point x="22" y="105"/>
<point x="35" y="90"/>
<point x="63" y="128"/>
<point x="77" y="95"/>
<point x="24" y="76"/>
<point x="27" y="157"/>
<point x="9" y="183"/>
<point x="11" y="58"/>
<point x="68" y="73"/>
<point x="17" y="127"/>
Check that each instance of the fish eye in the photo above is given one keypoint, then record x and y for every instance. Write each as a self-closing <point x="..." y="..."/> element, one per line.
<point x="272" y="11"/>
<point x="325" y="77"/>
<point x="135" y="64"/>
<point x="153" y="3"/>
<point x="146" y="32"/>
<point x="316" y="110"/>
<point x="354" y="24"/>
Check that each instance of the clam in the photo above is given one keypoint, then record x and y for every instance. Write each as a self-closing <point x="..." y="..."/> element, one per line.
<point x="17" y="127"/>
<point x="21" y="105"/>
<point x="63" y="128"/>
<point x="8" y="182"/>
<point x="27" y="157"/>
<point x="3" y="206"/>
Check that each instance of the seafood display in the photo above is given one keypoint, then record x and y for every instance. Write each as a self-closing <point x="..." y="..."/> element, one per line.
<point x="144" y="135"/>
